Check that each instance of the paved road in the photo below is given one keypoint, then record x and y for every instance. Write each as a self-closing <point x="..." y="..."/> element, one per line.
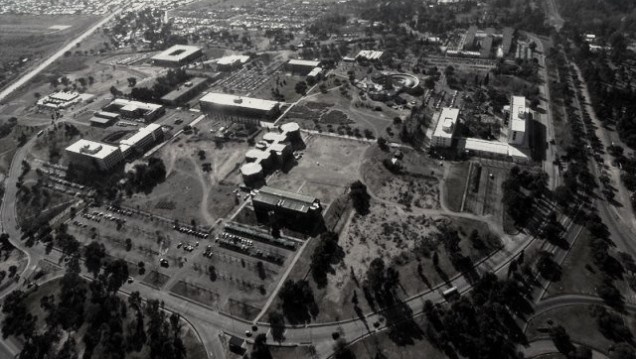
<point x="71" y="45"/>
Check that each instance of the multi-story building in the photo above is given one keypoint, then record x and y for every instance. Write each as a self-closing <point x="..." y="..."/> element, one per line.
<point x="446" y="124"/>
<point x="517" y="121"/>
<point x="96" y="155"/>
<point x="141" y="140"/>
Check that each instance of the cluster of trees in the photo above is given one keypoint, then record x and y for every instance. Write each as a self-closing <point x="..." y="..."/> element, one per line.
<point x="326" y="254"/>
<point x="144" y="177"/>
<point x="298" y="302"/>
<point x="517" y="203"/>
<point x="360" y="197"/>
<point x="380" y="283"/>
<point x="162" y="86"/>
<point x="481" y="324"/>
<point x="111" y="327"/>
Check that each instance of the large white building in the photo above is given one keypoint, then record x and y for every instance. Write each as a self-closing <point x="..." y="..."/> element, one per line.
<point x="238" y="105"/>
<point x="104" y="157"/>
<point x="94" y="154"/>
<point x="301" y="66"/>
<point x="446" y="124"/>
<point x="517" y="121"/>
<point x="141" y="140"/>
<point x="370" y="55"/>
<point x="177" y="55"/>
<point x="59" y="100"/>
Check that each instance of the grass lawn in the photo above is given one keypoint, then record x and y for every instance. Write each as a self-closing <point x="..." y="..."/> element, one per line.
<point x="577" y="321"/>
<point x="381" y="346"/>
<point x="455" y="184"/>
<point x="579" y="274"/>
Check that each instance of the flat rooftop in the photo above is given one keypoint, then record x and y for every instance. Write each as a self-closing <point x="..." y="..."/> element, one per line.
<point x="370" y="54"/>
<point x="446" y="123"/>
<point x="92" y="149"/>
<point x="184" y="89"/>
<point x="140" y="135"/>
<point x="129" y="105"/>
<point x="308" y="63"/>
<point x="238" y="101"/>
<point x="494" y="147"/>
<point x="231" y="59"/>
<point x="518" y="114"/>
<point x="289" y="200"/>
<point x="176" y="53"/>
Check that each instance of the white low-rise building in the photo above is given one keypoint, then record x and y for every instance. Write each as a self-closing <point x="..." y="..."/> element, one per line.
<point x="59" y="100"/>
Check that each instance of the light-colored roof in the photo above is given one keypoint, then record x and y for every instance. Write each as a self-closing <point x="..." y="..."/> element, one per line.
<point x="370" y="54"/>
<point x="250" y="169"/>
<point x="518" y="114"/>
<point x="446" y="123"/>
<point x="290" y="127"/>
<point x="308" y="63"/>
<point x="176" y="53"/>
<point x="315" y="72"/>
<point x="477" y="144"/>
<point x="92" y="149"/>
<point x="238" y="101"/>
<point x="231" y="59"/>
<point x="140" y="135"/>
<point x="129" y="105"/>
<point x="499" y="148"/>
<point x="257" y="154"/>
<point x="64" y="96"/>
<point x="274" y="137"/>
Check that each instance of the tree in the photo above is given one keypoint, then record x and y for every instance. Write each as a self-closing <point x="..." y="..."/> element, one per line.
<point x="115" y="92"/>
<point x="561" y="340"/>
<point x="94" y="253"/>
<point x="301" y="88"/>
<point x="260" y="350"/>
<point x="360" y="197"/>
<point x="532" y="46"/>
<point x="342" y="351"/>
<point x="326" y="254"/>
<point x="382" y="143"/>
<point x="277" y="323"/>
<point x="623" y="351"/>
<point x="116" y="275"/>
<point x="128" y="244"/>
<point x="132" y="82"/>
<point x="212" y="273"/>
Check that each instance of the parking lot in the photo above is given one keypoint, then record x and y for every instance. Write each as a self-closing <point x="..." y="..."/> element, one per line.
<point x="231" y="267"/>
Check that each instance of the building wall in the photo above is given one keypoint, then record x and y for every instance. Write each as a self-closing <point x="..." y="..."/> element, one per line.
<point x="102" y="164"/>
<point x="439" y="141"/>
<point x="237" y="110"/>
<point x="516" y="137"/>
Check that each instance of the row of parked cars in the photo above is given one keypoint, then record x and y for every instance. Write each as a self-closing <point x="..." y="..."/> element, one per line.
<point x="190" y="231"/>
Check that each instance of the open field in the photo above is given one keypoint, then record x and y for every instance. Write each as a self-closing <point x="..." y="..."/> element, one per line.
<point x="190" y="193"/>
<point x="327" y="167"/>
<point x="415" y="185"/>
<point x="382" y="346"/>
<point x="42" y="35"/>
<point x="580" y="276"/>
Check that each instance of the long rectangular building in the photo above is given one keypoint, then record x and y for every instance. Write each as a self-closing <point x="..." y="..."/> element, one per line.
<point x="517" y="121"/>
<point x="296" y="209"/>
<point x="239" y="105"/>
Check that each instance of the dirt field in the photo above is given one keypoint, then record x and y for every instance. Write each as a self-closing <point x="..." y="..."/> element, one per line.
<point x="401" y="239"/>
<point x="416" y="185"/>
<point x="327" y="167"/>
<point x="189" y="192"/>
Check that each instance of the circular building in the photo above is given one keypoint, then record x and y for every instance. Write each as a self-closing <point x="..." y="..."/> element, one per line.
<point x="252" y="174"/>
<point x="291" y="130"/>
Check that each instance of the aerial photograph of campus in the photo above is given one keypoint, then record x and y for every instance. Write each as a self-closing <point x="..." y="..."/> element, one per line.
<point x="264" y="179"/>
